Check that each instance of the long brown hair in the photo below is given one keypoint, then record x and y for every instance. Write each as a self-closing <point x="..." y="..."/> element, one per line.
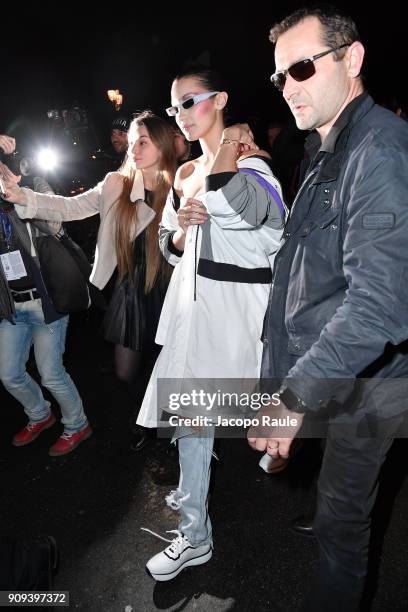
<point x="162" y="137"/>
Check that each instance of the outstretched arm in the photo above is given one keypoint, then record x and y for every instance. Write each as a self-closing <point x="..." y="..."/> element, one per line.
<point x="32" y="205"/>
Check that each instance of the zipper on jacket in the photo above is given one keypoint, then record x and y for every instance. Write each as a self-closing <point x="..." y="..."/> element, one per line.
<point x="303" y="185"/>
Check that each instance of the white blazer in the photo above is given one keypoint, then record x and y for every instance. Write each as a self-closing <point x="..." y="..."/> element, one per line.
<point x="101" y="199"/>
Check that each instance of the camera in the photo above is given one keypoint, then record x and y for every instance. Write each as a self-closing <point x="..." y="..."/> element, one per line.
<point x="19" y="164"/>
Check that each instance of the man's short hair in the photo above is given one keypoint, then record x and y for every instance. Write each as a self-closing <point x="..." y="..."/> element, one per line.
<point x="337" y="27"/>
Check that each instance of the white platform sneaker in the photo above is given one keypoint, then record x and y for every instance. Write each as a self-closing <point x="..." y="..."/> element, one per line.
<point x="178" y="555"/>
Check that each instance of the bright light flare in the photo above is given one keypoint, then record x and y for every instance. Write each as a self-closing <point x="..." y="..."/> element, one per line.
<point x="47" y="159"/>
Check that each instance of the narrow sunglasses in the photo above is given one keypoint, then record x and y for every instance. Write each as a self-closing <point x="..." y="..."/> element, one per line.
<point x="302" y="70"/>
<point x="172" y="111"/>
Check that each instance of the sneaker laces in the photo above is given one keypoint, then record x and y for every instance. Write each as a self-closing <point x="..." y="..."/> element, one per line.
<point x="33" y="424"/>
<point x="66" y="435"/>
<point x="175" y="543"/>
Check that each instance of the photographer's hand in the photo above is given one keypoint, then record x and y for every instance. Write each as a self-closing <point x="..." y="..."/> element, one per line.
<point x="11" y="192"/>
<point x="7" y="143"/>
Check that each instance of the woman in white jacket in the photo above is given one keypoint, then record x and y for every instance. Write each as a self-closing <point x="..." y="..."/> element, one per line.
<point x="222" y="240"/>
<point x="130" y="203"/>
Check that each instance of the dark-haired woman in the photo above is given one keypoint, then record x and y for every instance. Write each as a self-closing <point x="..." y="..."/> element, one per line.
<point x="222" y="239"/>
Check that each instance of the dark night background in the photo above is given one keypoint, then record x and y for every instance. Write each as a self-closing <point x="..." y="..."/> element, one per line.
<point x="94" y="500"/>
<point x="53" y="56"/>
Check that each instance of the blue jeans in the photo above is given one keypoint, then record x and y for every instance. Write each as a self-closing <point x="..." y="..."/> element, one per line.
<point x="49" y="346"/>
<point x="191" y="497"/>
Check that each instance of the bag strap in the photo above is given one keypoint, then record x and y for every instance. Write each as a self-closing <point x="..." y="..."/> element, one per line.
<point x="266" y="185"/>
<point x="23" y="233"/>
<point x="47" y="228"/>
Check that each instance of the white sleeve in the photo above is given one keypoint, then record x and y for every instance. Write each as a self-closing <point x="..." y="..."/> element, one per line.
<point x="62" y="208"/>
<point x="245" y="199"/>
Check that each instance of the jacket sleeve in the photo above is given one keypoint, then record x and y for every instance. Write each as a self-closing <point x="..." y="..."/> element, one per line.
<point x="245" y="199"/>
<point x="41" y="185"/>
<point x="61" y="208"/>
<point x="375" y="264"/>
<point x="168" y="226"/>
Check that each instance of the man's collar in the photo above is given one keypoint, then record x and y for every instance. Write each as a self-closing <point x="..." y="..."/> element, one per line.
<point x="329" y="143"/>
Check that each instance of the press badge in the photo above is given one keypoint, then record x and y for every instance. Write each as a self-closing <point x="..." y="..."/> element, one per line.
<point x="13" y="265"/>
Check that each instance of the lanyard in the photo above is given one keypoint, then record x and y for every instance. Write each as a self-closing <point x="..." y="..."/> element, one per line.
<point x="7" y="228"/>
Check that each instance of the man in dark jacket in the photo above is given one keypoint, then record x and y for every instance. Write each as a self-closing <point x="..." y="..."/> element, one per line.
<point x="28" y="317"/>
<point x="337" y="319"/>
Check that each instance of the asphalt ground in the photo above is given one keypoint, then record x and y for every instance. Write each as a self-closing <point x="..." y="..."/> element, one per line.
<point x="95" y="500"/>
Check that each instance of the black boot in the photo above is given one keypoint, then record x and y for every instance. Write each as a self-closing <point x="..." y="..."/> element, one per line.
<point x="142" y="437"/>
<point x="28" y="564"/>
<point x="303" y="525"/>
<point x="47" y="551"/>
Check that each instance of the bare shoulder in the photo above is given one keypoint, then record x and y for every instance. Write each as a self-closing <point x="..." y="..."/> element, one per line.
<point x="183" y="173"/>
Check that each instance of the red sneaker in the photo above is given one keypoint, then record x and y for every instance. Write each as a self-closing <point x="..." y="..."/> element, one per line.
<point x="67" y="442"/>
<point x="32" y="430"/>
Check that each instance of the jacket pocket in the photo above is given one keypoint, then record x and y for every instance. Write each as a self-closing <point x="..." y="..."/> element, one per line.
<point x="298" y="345"/>
<point x="321" y="236"/>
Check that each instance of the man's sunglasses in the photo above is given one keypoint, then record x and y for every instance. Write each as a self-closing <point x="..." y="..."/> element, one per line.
<point x="301" y="71"/>
<point x="174" y="110"/>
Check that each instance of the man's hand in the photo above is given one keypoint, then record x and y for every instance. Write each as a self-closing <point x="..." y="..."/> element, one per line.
<point x="7" y="143"/>
<point x="276" y="441"/>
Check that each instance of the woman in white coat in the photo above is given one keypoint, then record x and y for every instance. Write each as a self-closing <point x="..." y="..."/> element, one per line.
<point x="222" y="240"/>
